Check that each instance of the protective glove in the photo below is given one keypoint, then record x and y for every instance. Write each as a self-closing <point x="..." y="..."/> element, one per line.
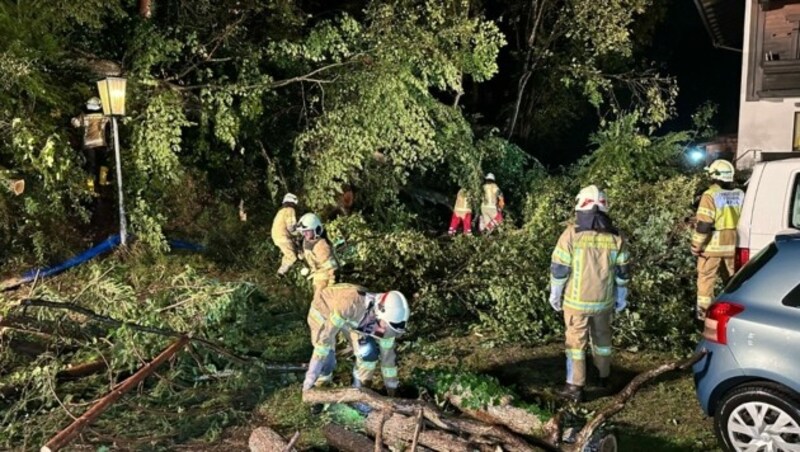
<point x="556" y="292"/>
<point x="304" y="271"/>
<point x="313" y="372"/>
<point x="622" y="299"/>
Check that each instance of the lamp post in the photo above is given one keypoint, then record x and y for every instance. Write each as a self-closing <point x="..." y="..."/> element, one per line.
<point x="112" y="95"/>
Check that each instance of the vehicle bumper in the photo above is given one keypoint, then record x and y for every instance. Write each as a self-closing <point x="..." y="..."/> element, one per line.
<point x="713" y="371"/>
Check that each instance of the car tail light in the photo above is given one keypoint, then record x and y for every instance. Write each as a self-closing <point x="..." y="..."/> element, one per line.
<point x="742" y="256"/>
<point x="716" y="324"/>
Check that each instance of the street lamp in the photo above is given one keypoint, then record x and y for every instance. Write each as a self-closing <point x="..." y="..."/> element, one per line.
<point x="112" y="95"/>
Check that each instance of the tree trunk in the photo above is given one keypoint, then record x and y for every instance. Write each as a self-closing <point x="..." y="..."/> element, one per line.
<point x="516" y="419"/>
<point x="264" y="439"/>
<point x="344" y="440"/>
<point x="398" y="432"/>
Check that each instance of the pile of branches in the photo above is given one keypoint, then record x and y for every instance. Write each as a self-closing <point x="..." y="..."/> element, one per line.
<point x="417" y="425"/>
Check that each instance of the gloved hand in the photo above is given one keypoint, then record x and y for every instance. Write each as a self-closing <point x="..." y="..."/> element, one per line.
<point x="368" y="349"/>
<point x="556" y="293"/>
<point x="304" y="271"/>
<point x="696" y="251"/>
<point x="313" y="372"/>
<point x="622" y="299"/>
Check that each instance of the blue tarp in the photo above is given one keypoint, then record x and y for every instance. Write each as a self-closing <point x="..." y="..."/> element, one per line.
<point x="102" y="247"/>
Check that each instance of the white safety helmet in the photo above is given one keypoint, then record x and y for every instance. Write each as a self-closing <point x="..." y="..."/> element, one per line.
<point x="489" y="176"/>
<point x="93" y="104"/>
<point x="589" y="197"/>
<point x="392" y="308"/>
<point x="721" y="170"/>
<point x="289" y="197"/>
<point x="310" y="222"/>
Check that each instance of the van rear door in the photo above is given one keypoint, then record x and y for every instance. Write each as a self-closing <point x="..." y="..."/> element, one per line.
<point x="772" y="203"/>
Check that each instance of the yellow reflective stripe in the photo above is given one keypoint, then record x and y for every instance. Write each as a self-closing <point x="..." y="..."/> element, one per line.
<point x="575" y="353"/>
<point x="386" y="343"/>
<point x="622" y="258"/>
<point x="367" y="365"/>
<point x="602" y="351"/>
<point x="603" y="242"/>
<point x="316" y="316"/>
<point x="706" y="212"/>
<point x="324" y="378"/>
<point x="592" y="306"/>
<point x="703" y="302"/>
<point x="389" y="372"/>
<point x="561" y="256"/>
<point x="574" y="292"/>
<point x="714" y="248"/>
<point x="337" y="320"/>
<point x="558" y="282"/>
<point x="620" y="281"/>
<point x="322" y="350"/>
<point x="330" y="264"/>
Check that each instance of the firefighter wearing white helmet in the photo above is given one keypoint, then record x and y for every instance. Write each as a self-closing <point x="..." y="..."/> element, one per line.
<point x="373" y="322"/>
<point x="492" y="205"/>
<point x="317" y="252"/>
<point x="714" y="238"/>
<point x="94" y="124"/>
<point x="283" y="230"/>
<point x="589" y="277"/>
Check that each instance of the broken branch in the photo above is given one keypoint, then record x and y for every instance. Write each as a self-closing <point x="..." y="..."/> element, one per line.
<point x="64" y="437"/>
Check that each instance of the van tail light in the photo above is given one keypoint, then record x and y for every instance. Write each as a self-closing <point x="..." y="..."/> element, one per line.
<point x="742" y="256"/>
<point x="716" y="324"/>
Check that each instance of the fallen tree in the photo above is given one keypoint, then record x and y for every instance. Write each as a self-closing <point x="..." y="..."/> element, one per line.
<point x="399" y="423"/>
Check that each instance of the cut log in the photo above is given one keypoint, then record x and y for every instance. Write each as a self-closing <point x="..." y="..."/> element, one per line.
<point x="264" y="439"/>
<point x="398" y="434"/>
<point x="344" y="440"/>
<point x="510" y="441"/>
<point x="516" y="419"/>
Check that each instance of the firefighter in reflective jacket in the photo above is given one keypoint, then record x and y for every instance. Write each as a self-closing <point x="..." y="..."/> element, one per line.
<point x="714" y="238"/>
<point x="589" y="271"/>
<point x="94" y="122"/>
<point x="462" y="214"/>
<point x="283" y="228"/>
<point x="373" y="321"/>
<point x="317" y="252"/>
<point x="491" y="205"/>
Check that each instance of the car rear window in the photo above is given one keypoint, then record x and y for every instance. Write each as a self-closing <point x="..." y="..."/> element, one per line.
<point x="751" y="268"/>
<point x="792" y="299"/>
<point x="795" y="219"/>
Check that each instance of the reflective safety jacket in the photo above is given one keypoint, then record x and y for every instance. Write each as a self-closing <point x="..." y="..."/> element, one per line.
<point x="343" y="307"/>
<point x="717" y="217"/>
<point x="492" y="197"/>
<point x="320" y="258"/>
<point x="462" y="206"/>
<point x="590" y="264"/>
<point x="283" y="225"/>
<point x="94" y="129"/>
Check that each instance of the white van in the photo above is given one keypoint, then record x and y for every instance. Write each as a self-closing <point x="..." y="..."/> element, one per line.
<point x="771" y="205"/>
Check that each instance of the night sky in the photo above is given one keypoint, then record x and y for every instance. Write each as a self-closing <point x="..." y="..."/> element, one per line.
<point x="703" y="72"/>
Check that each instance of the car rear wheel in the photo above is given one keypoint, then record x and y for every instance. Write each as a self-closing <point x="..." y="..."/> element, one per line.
<point x="759" y="418"/>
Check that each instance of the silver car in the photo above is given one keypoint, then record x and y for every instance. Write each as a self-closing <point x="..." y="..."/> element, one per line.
<point x="750" y="379"/>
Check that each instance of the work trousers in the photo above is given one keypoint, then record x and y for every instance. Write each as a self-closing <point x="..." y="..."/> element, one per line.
<point x="323" y="279"/>
<point x="461" y="219"/>
<point x="580" y="327"/>
<point x="289" y="256"/>
<point x="707" y="269"/>
<point x="490" y="218"/>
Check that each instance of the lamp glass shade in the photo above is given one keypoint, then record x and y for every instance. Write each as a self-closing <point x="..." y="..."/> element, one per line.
<point x="112" y="95"/>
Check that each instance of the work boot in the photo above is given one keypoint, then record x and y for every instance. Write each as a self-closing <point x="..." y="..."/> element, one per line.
<point x="604" y="383"/>
<point x="572" y="392"/>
